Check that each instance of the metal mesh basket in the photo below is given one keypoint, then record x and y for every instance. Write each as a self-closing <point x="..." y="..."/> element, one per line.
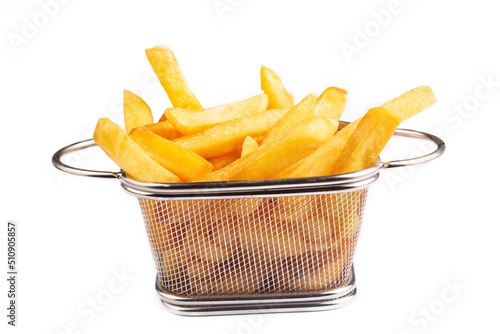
<point x="254" y="246"/>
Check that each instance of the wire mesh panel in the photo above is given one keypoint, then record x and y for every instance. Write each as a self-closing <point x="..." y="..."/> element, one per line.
<point x="249" y="246"/>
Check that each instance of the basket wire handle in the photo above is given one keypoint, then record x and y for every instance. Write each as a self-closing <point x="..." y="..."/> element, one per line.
<point x="56" y="161"/>
<point x="441" y="147"/>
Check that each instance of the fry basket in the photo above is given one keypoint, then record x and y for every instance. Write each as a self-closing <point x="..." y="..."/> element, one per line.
<point x="244" y="247"/>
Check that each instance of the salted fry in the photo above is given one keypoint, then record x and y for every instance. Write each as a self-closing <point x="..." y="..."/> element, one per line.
<point x="164" y="129"/>
<point x="228" y="137"/>
<point x="411" y="102"/>
<point x="273" y="87"/>
<point x="367" y="141"/>
<point x="297" y="114"/>
<point x="135" y="111"/>
<point x="167" y="70"/>
<point x="182" y="162"/>
<point x="128" y="155"/>
<point x="296" y="144"/>
<point x="249" y="146"/>
<point x="189" y="122"/>
<point x="331" y="103"/>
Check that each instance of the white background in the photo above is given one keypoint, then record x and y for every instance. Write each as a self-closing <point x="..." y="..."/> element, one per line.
<point x="424" y="228"/>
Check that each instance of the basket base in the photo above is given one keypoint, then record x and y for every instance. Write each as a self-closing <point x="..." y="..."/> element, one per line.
<point x="258" y="304"/>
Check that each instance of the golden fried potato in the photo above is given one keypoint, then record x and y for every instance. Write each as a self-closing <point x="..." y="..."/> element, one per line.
<point x="322" y="161"/>
<point x="229" y="137"/>
<point x="411" y="102"/>
<point x="331" y="103"/>
<point x="128" y="155"/>
<point x="182" y="162"/>
<point x="167" y="70"/>
<point x="190" y="122"/>
<point x="225" y="160"/>
<point x="296" y="144"/>
<point x="135" y="111"/>
<point x="249" y="145"/>
<point x="273" y="87"/>
<point x="164" y="129"/>
<point x="297" y="114"/>
<point x="367" y="141"/>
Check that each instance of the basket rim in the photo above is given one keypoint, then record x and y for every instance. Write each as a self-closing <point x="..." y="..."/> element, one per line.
<point x="255" y="188"/>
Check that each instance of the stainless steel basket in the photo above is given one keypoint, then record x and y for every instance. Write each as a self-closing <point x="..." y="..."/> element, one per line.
<point x="254" y="246"/>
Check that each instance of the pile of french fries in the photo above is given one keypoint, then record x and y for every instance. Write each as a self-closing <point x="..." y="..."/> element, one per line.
<point x="266" y="136"/>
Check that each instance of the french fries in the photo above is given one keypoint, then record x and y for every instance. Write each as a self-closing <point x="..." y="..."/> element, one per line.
<point x="128" y="155"/>
<point x="164" y="129"/>
<point x="228" y="137"/>
<point x="367" y="141"/>
<point x="189" y="122"/>
<point x="296" y="144"/>
<point x="168" y="72"/>
<point x="286" y="243"/>
<point x="182" y="162"/>
<point x="297" y="114"/>
<point x="331" y="103"/>
<point x="249" y="145"/>
<point x="135" y="111"/>
<point x="273" y="87"/>
<point x="411" y="102"/>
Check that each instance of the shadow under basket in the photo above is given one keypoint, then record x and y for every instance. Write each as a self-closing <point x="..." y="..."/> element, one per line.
<point x="245" y="247"/>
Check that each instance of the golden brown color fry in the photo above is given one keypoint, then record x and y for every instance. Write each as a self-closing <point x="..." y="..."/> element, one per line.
<point x="190" y="122"/>
<point x="302" y="111"/>
<point x="164" y="129"/>
<point x="182" y="162"/>
<point x="249" y="145"/>
<point x="167" y="70"/>
<point x="321" y="161"/>
<point x="273" y="87"/>
<point x="411" y="102"/>
<point x="228" y="137"/>
<point x="135" y="111"/>
<point x="296" y="144"/>
<point x="367" y="141"/>
<point x="331" y="103"/>
<point x="225" y="160"/>
<point x="128" y="155"/>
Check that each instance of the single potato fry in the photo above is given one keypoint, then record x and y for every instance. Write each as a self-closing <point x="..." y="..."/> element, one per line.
<point x="273" y="87"/>
<point x="224" y="160"/>
<point x="228" y="137"/>
<point x="167" y="70"/>
<point x="190" y="122"/>
<point x="128" y="155"/>
<point x="164" y="129"/>
<point x="182" y="162"/>
<point x="411" y="102"/>
<point x="135" y="111"/>
<point x="249" y="146"/>
<point x="331" y="103"/>
<point x="321" y="161"/>
<point x="367" y="141"/>
<point x="296" y="144"/>
<point x="302" y="111"/>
